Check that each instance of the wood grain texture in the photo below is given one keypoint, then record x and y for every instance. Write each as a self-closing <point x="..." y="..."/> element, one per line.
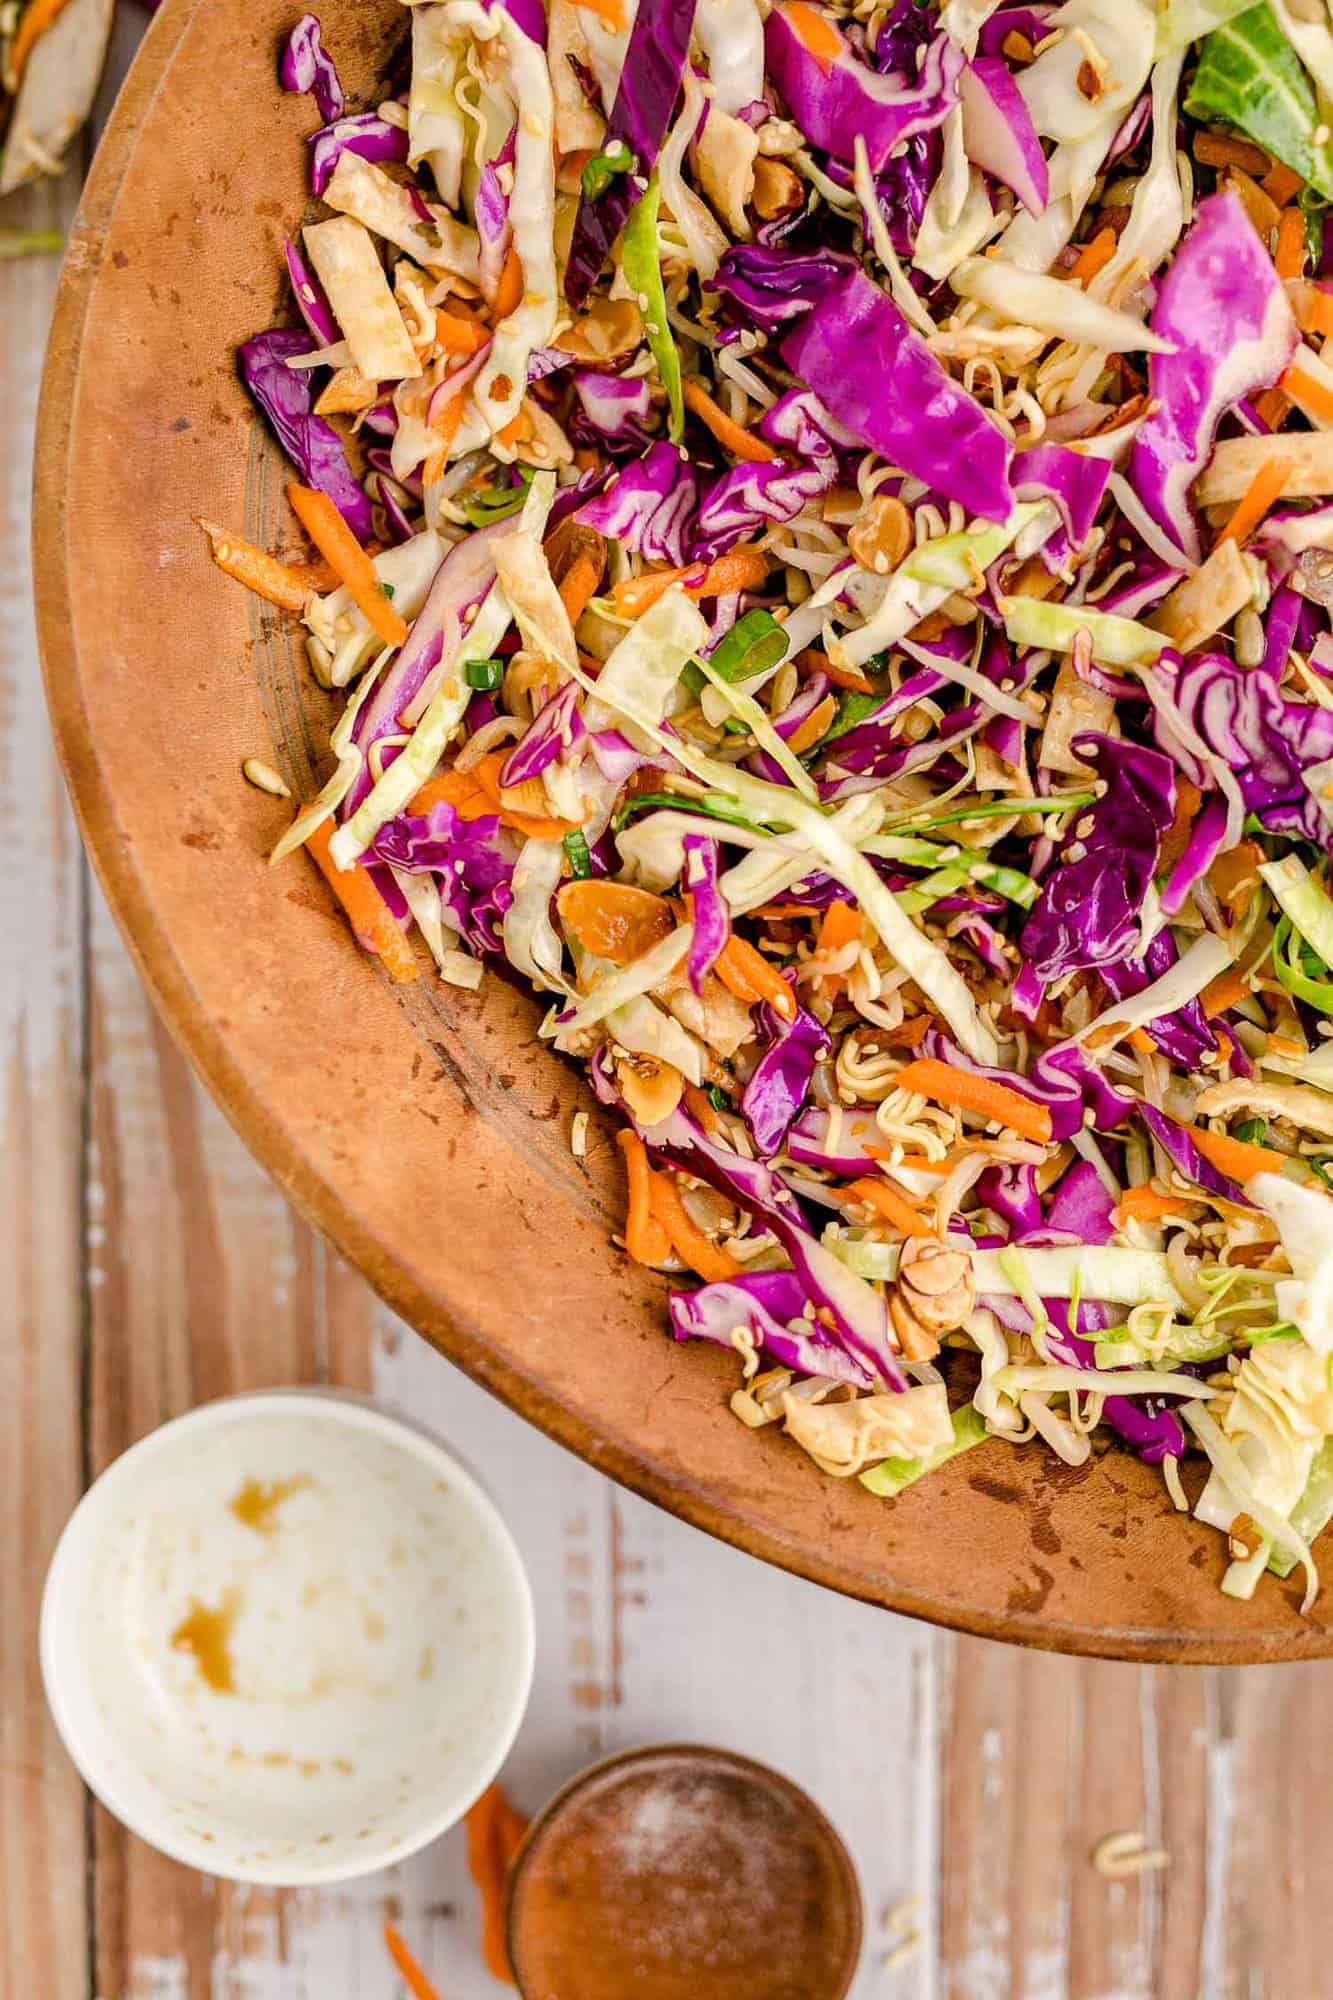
<point x="150" y="1265"/>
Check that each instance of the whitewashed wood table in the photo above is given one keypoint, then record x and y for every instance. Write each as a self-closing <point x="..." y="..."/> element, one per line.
<point x="146" y="1264"/>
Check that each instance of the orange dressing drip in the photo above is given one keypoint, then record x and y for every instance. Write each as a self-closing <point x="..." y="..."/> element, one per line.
<point x="257" y="1503"/>
<point x="207" y="1635"/>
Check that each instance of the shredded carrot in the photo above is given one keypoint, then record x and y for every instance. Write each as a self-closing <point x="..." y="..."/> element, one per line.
<point x="689" y="1242"/>
<point x="1312" y="396"/>
<point x="846" y="677"/>
<point x="841" y="925"/>
<point x="579" y="584"/>
<point x="458" y="789"/>
<point x="515" y="429"/>
<point x="1272" y="406"/>
<point x="964" y="1090"/>
<point x="1236" y="1157"/>
<point x="262" y="573"/>
<point x="338" y="545"/>
<point x="1281" y="185"/>
<point x="1094" y="256"/>
<point x="736" y="439"/>
<point x="743" y="569"/>
<point x="1176" y="838"/>
<point x="33" y="24"/>
<point x="509" y="291"/>
<point x="888" y="1203"/>
<point x="1221" y="149"/>
<point x="433" y="468"/>
<point x="446" y="427"/>
<point x="1145" y="1204"/>
<point x="1227" y="990"/>
<point x="1142" y="1041"/>
<point x="414" y="1978"/>
<point x="747" y="974"/>
<point x="494" y="1833"/>
<point x="816" y="32"/>
<point x="1289" y="256"/>
<point x="371" y="918"/>
<point x="459" y="336"/>
<point x="700" y="1105"/>
<point x="645" y="1238"/>
<point x="1263" y="492"/>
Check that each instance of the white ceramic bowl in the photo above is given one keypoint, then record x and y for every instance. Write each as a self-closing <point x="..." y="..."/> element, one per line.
<point x="287" y="1638"/>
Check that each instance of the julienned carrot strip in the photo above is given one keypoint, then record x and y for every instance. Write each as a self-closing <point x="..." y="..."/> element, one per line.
<point x="494" y="1831"/>
<point x="458" y="789"/>
<point x="1227" y="990"/>
<point x="258" y="571"/>
<point x="736" y="439"/>
<point x="1311" y="395"/>
<point x="741" y="570"/>
<point x="747" y="974"/>
<point x="509" y="291"/>
<point x="1235" y="1157"/>
<point x="338" y="545"/>
<point x="579" y="584"/>
<point x="1145" y="1204"/>
<point x="1263" y="492"/>
<point x="700" y="1106"/>
<point x="963" y="1090"/>
<point x="1281" y="185"/>
<point x="1223" y="149"/>
<point x="458" y="336"/>
<point x="371" y="918"/>
<point x="645" y="1238"/>
<point x="1289" y="256"/>
<point x="1272" y="406"/>
<point x="1094" y="256"/>
<point x="895" y="1208"/>
<point x="841" y="925"/>
<point x="689" y="1242"/>
<point x="816" y="31"/>
<point x="33" y="24"/>
<point x="414" y="1978"/>
<point x="816" y="725"/>
<point x="843" y="677"/>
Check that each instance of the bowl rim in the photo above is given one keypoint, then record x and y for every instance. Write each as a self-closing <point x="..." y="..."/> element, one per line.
<point x="60" y="1668"/>
<point x="125" y="881"/>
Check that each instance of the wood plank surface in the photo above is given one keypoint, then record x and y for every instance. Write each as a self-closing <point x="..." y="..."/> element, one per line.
<point x="150" y="1266"/>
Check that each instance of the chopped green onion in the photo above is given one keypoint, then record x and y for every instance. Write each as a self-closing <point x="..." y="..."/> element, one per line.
<point x="921" y="817"/>
<point x="485" y="675"/>
<point x="852" y="709"/>
<point x="603" y="167"/>
<point x="387" y="588"/>
<point x="755" y="644"/>
<point x="577" y="855"/>
<point x="1253" y="1131"/>
<point x="641" y="262"/>
<point x="718" y="1098"/>
<point x="678" y="802"/>
<point x="497" y="503"/>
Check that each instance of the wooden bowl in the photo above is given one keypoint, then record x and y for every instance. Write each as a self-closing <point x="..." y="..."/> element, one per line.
<point x="424" y="1130"/>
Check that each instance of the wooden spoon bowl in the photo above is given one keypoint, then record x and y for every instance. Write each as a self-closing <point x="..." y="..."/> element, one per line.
<point x="425" y="1130"/>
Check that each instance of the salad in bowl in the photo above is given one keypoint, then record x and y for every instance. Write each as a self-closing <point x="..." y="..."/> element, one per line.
<point x="822" y="531"/>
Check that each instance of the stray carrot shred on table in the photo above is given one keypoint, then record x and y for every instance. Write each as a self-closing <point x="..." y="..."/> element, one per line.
<point x="371" y="919"/>
<point x="258" y="571"/>
<point x="494" y="1835"/>
<point x="413" y="1977"/>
